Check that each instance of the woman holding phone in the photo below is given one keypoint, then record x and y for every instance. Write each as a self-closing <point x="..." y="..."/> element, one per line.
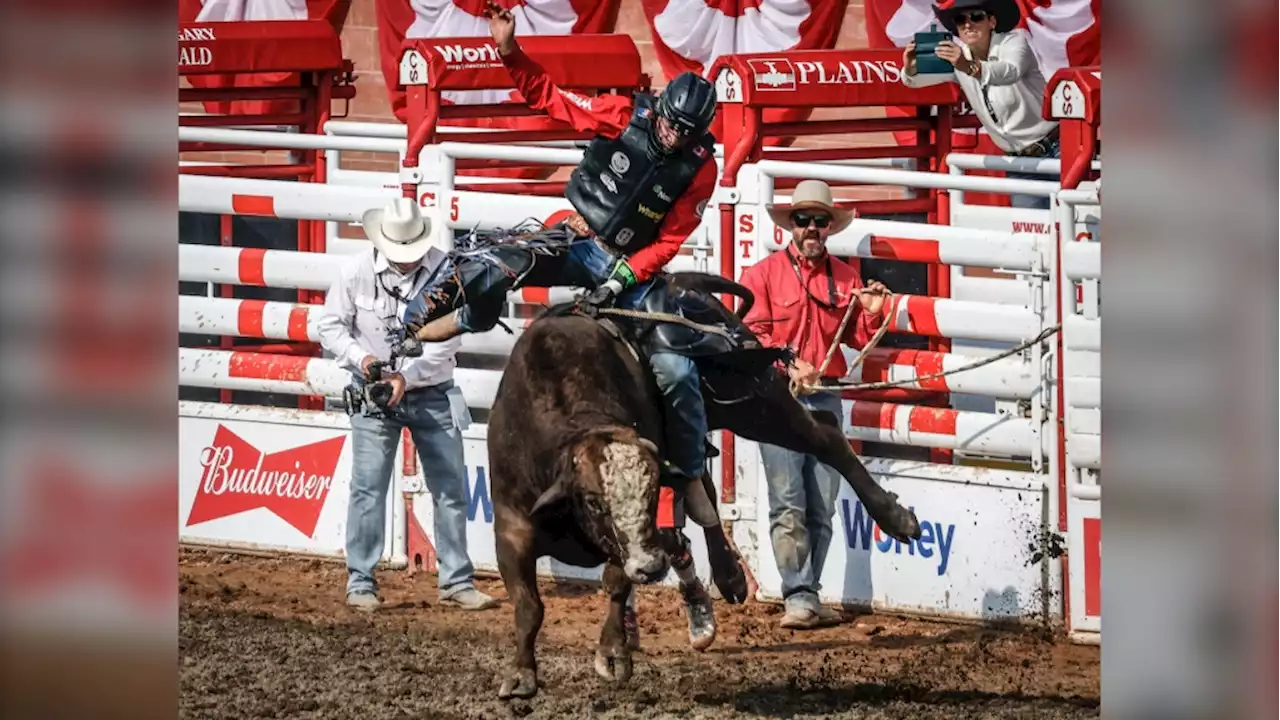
<point x="998" y="73"/>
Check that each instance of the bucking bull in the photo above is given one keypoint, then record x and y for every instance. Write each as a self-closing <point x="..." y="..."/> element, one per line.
<point x="575" y="442"/>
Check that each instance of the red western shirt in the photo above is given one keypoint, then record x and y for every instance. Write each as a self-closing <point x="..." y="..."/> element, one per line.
<point x="783" y="315"/>
<point x="608" y="115"/>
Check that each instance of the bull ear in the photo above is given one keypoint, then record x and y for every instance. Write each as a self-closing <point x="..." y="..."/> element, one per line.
<point x="553" y="496"/>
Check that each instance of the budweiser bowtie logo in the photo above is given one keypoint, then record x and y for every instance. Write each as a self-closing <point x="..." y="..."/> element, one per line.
<point x="237" y="477"/>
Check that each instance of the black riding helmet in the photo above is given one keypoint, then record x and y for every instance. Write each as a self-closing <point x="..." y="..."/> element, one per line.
<point x="689" y="104"/>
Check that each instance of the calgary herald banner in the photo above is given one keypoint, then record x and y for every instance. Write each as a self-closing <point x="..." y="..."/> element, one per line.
<point x="335" y="11"/>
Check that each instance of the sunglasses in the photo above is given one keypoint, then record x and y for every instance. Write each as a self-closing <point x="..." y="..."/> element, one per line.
<point x="819" y="221"/>
<point x="976" y="16"/>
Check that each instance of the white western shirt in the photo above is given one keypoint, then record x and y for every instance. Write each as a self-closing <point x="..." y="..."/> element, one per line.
<point x="1014" y="85"/>
<point x="359" y="309"/>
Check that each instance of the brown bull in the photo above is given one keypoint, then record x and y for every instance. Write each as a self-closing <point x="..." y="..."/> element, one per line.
<point x="575" y="467"/>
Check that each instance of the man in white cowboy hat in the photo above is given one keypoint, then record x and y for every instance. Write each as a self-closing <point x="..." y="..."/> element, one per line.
<point x="802" y="294"/>
<point x="1000" y="77"/>
<point x="361" y="310"/>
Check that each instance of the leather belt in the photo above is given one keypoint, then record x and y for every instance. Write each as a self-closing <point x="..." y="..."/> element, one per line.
<point x="1039" y="148"/>
<point x="606" y="248"/>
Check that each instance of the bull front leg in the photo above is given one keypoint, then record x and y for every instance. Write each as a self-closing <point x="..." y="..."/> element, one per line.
<point x="613" y="655"/>
<point x="778" y="419"/>
<point x="517" y="563"/>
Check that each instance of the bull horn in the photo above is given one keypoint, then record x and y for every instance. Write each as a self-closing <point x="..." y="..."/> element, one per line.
<point x="649" y="445"/>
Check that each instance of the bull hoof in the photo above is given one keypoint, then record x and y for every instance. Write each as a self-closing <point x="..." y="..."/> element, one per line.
<point x="614" y="664"/>
<point x="727" y="574"/>
<point x="521" y="683"/>
<point x="900" y="523"/>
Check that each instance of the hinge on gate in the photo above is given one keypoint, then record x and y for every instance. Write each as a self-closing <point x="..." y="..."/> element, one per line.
<point x="1034" y="273"/>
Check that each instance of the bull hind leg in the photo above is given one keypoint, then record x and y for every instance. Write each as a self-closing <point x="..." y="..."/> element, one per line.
<point x="697" y="601"/>
<point x="778" y="419"/>
<point x="514" y="541"/>
<point x="613" y="655"/>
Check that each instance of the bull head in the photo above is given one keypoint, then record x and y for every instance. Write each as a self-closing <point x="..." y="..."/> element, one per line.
<point x="609" y="477"/>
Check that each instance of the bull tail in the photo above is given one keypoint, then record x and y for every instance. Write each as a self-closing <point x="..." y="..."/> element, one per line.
<point x="715" y="284"/>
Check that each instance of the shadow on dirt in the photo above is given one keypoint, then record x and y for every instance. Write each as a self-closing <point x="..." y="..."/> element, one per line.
<point x="789" y="699"/>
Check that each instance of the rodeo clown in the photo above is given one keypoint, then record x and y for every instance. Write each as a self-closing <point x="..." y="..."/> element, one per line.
<point x="639" y="192"/>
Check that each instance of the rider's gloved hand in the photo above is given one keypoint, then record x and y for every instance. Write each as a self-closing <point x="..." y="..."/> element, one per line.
<point x="605" y="294"/>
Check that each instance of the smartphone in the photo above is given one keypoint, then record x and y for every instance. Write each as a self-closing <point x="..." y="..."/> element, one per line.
<point x="927" y="62"/>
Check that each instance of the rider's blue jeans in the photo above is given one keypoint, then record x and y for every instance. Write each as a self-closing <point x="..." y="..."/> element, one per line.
<point x="588" y="265"/>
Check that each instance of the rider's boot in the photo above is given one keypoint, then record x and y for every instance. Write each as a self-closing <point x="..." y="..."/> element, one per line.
<point x="697" y="603"/>
<point x="478" y="285"/>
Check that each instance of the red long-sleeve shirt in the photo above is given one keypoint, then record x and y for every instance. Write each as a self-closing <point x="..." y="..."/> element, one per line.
<point x="784" y="316"/>
<point x="608" y="115"/>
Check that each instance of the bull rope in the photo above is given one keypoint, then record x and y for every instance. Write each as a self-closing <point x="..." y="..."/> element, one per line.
<point x="665" y="317"/>
<point x="1044" y="335"/>
<point x="798" y="389"/>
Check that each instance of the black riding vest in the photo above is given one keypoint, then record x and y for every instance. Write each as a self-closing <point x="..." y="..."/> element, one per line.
<point x="622" y="192"/>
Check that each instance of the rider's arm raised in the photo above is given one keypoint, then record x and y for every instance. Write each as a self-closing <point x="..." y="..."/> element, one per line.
<point x="680" y="222"/>
<point x="605" y="115"/>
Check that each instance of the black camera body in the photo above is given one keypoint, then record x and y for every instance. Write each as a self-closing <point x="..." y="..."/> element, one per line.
<point x="373" y="398"/>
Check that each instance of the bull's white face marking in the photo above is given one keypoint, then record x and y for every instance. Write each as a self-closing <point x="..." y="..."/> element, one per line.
<point x="626" y="476"/>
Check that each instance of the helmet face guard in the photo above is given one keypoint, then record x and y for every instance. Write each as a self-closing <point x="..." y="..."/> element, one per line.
<point x="687" y="105"/>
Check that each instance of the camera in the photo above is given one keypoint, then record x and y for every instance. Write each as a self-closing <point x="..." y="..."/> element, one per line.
<point x="373" y="397"/>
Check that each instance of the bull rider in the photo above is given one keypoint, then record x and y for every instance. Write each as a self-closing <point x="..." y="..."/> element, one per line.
<point x="641" y="189"/>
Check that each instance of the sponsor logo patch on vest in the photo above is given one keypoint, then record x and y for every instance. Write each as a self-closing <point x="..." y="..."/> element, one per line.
<point x="702" y="207"/>
<point x="650" y="213"/>
<point x="624" y="236"/>
<point x="700" y="151"/>
<point x="620" y="163"/>
<point x="609" y="183"/>
<point x="657" y="190"/>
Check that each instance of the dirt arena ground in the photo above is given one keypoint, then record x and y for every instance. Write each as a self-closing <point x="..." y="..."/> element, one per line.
<point x="265" y="637"/>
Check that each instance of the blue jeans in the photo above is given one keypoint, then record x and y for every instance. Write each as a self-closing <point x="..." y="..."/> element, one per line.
<point x="426" y="412"/>
<point x="1035" y="202"/>
<point x="802" y="504"/>
<point x="685" y="416"/>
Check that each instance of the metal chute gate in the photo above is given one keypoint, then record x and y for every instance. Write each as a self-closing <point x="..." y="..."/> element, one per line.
<point x="979" y="454"/>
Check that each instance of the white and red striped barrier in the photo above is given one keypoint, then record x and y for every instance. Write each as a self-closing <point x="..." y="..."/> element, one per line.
<point x="1011" y="378"/>
<point x="296" y="375"/>
<point x="918" y="426"/>
<point x="941" y="318"/>
<point x="918" y="242"/>
<point x="290" y="321"/>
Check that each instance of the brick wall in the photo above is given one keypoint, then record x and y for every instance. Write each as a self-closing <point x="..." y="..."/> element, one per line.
<point x="360" y="44"/>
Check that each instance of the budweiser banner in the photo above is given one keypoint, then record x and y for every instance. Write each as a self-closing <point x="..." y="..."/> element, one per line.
<point x="690" y="35"/>
<point x="264" y="484"/>
<point x="220" y="11"/>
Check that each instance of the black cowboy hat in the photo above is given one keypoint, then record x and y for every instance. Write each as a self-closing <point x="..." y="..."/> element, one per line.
<point x="1006" y="12"/>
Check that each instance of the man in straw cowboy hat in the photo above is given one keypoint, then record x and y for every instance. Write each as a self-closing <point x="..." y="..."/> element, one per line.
<point x="1000" y="77"/>
<point x="802" y="295"/>
<point x="361" y="311"/>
